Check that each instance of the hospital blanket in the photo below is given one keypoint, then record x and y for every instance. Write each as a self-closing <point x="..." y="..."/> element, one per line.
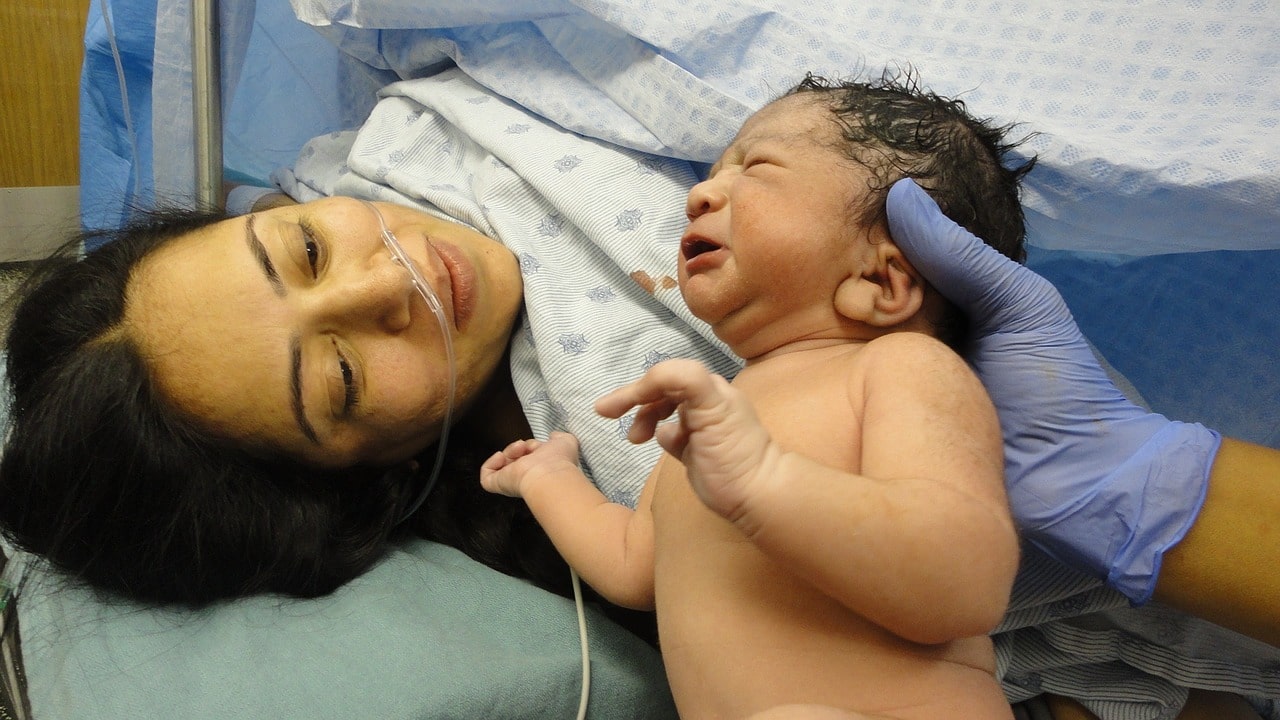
<point x="596" y="229"/>
<point x="1150" y="101"/>
<point x="427" y="633"/>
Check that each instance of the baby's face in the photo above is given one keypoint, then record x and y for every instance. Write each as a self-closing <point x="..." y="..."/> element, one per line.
<point x="770" y="237"/>
<point x="292" y="330"/>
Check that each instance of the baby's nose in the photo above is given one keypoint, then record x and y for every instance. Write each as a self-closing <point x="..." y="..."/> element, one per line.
<point x="703" y="198"/>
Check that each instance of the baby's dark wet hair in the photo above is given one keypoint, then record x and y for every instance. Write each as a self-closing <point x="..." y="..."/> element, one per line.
<point x="897" y="129"/>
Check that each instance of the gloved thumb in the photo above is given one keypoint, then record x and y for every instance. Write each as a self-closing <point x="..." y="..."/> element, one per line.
<point x="997" y="293"/>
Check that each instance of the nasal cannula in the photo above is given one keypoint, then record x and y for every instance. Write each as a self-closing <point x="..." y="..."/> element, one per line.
<point x="437" y="308"/>
<point x="433" y="301"/>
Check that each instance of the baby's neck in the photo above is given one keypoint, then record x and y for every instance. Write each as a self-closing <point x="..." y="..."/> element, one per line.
<point x="802" y="352"/>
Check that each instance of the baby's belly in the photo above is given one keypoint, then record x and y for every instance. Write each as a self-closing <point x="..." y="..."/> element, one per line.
<point x="739" y="635"/>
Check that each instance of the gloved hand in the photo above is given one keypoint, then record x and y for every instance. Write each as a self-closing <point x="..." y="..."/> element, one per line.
<point x="1094" y="480"/>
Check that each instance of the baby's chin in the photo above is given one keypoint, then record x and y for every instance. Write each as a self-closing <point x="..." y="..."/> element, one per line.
<point x="702" y="301"/>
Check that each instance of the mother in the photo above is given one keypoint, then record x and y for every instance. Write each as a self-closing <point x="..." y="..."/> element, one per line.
<point x="210" y="407"/>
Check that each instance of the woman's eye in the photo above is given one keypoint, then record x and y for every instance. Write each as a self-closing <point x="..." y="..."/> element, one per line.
<point x="350" y="397"/>
<point x="311" y="247"/>
<point x="313" y="253"/>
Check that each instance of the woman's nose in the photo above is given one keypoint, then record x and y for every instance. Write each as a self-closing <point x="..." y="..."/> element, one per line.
<point x="705" y="197"/>
<point x="379" y="294"/>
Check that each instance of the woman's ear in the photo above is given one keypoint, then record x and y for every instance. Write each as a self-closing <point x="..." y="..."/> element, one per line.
<point x="885" y="290"/>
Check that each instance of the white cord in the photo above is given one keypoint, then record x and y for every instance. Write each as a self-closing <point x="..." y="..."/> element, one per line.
<point x="124" y="96"/>
<point x="582" y="636"/>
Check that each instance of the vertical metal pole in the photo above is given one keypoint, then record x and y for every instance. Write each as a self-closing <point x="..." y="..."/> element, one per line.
<point x="206" y="102"/>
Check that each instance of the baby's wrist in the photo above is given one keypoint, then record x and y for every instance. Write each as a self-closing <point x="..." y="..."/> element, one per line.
<point x="761" y="492"/>
<point x="552" y="474"/>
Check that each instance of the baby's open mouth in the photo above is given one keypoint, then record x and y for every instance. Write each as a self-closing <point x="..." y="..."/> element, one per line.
<point x="693" y="247"/>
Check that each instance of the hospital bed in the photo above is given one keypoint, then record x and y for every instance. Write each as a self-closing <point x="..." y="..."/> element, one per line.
<point x="1153" y="208"/>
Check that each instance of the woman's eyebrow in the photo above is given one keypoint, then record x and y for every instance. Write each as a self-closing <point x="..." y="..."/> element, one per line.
<point x="295" y="390"/>
<point x="295" y="345"/>
<point x="260" y="254"/>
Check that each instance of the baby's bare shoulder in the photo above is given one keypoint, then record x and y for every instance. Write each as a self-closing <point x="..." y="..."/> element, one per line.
<point x="910" y="347"/>
<point x="917" y="361"/>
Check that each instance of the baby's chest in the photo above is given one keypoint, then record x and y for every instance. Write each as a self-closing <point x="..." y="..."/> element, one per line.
<point x="816" y="419"/>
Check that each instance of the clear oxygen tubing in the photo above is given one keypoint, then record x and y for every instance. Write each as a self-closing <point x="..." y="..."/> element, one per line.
<point x="433" y="302"/>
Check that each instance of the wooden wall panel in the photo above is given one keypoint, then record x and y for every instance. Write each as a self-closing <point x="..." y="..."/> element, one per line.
<point x="41" y="48"/>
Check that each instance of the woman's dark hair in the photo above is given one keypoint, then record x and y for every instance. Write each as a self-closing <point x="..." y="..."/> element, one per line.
<point x="896" y="129"/>
<point x="104" y="479"/>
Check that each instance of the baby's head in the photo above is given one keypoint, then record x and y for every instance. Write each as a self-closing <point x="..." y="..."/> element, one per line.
<point x="895" y="129"/>
<point x="788" y="237"/>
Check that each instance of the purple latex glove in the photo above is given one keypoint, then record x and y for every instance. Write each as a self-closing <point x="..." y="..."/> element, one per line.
<point x="1094" y="480"/>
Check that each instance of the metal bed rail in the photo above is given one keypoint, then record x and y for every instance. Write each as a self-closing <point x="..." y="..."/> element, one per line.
<point x="206" y="102"/>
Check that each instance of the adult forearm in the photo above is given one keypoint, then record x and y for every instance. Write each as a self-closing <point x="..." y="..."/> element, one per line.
<point x="1227" y="568"/>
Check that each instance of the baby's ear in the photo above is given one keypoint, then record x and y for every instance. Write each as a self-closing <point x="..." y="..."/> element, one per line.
<point x="885" y="290"/>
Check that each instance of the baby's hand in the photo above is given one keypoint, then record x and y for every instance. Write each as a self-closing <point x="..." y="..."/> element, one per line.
<point x="506" y="471"/>
<point x="725" y="450"/>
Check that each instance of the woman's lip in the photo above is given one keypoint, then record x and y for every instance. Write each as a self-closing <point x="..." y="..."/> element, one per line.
<point x="438" y="274"/>
<point x="461" y="282"/>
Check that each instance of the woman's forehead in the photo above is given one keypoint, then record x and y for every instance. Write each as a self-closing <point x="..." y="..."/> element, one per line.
<point x="203" y="318"/>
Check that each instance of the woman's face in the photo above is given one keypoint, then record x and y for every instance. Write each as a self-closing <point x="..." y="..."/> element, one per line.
<point x="294" y="331"/>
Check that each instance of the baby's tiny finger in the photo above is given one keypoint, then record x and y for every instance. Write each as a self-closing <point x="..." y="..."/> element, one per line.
<point x="492" y="485"/>
<point x="495" y="462"/>
<point x="517" y="450"/>
<point x="615" y="403"/>
<point x="646" y="419"/>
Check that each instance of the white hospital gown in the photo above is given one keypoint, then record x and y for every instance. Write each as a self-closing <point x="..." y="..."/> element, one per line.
<point x="596" y="229"/>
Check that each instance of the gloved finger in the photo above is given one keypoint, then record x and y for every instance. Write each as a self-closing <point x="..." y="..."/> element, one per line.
<point x="996" y="292"/>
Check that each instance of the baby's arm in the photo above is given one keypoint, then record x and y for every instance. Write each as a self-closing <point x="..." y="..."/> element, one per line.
<point x="609" y="545"/>
<point x="716" y="436"/>
<point x="919" y="542"/>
